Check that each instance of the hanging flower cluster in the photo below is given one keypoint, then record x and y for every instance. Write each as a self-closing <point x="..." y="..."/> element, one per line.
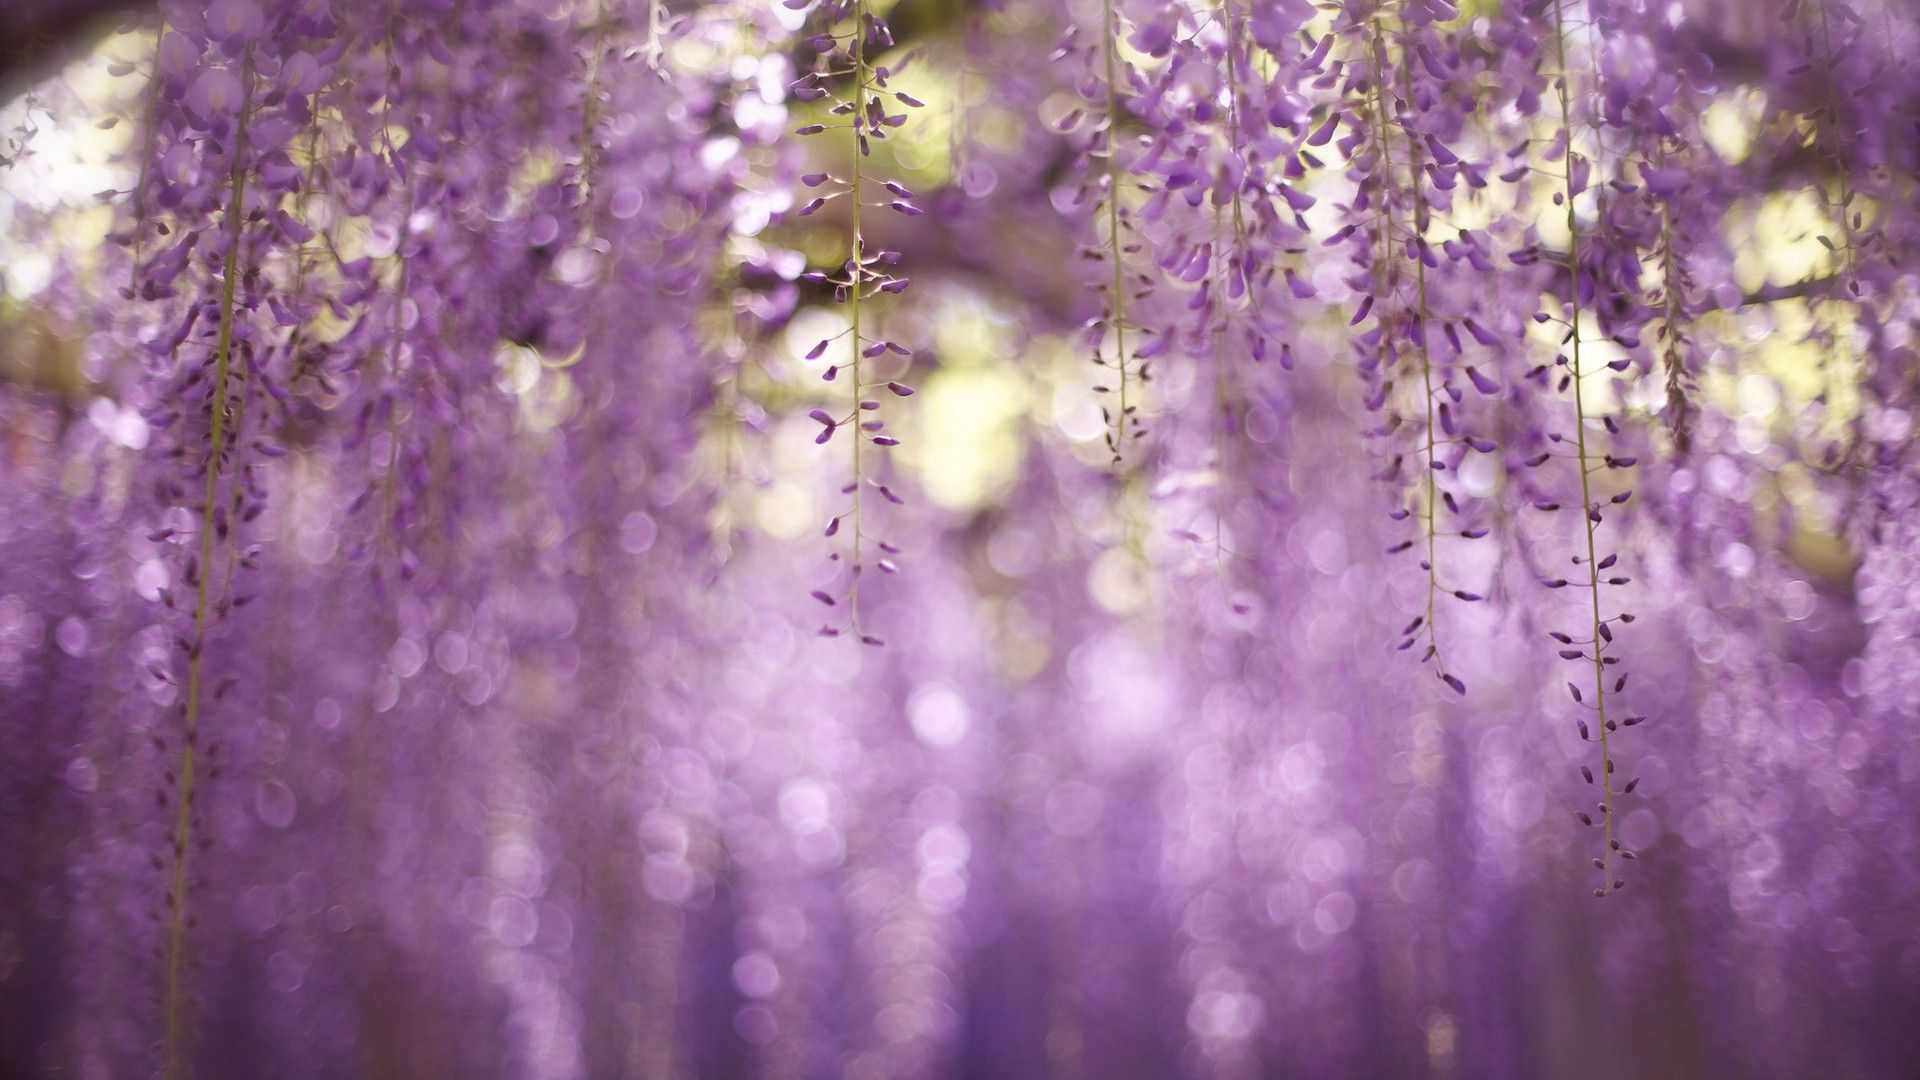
<point x="867" y="111"/>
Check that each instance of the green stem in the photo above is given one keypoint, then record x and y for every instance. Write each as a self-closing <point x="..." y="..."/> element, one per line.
<point x="150" y="123"/>
<point x="1223" y="390"/>
<point x="857" y="274"/>
<point x="1119" y="300"/>
<point x="1426" y="375"/>
<point x="1222" y="402"/>
<point x="1379" y="103"/>
<point x="590" y="108"/>
<point x="174" y="1006"/>
<point x="1580" y="445"/>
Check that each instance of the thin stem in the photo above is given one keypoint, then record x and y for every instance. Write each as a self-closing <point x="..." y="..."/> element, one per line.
<point x="590" y="108"/>
<point x="1222" y="402"/>
<point x="1233" y="121"/>
<point x="857" y="273"/>
<point x="151" y="123"/>
<point x="1433" y="494"/>
<point x="174" y="1006"/>
<point x="1378" y="101"/>
<point x="1377" y="98"/>
<point x="1118" y="303"/>
<point x="1223" y="390"/>
<point x="1418" y="238"/>
<point x="1580" y="445"/>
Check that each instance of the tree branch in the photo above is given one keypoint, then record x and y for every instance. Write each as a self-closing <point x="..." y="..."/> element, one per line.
<point x="38" y="36"/>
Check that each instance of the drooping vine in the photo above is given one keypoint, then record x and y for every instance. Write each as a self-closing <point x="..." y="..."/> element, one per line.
<point x="1427" y="422"/>
<point x="214" y="524"/>
<point x="871" y="110"/>
<point x="1592" y="647"/>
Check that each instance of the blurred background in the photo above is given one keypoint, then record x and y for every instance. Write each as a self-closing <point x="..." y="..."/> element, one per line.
<point x="519" y="753"/>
